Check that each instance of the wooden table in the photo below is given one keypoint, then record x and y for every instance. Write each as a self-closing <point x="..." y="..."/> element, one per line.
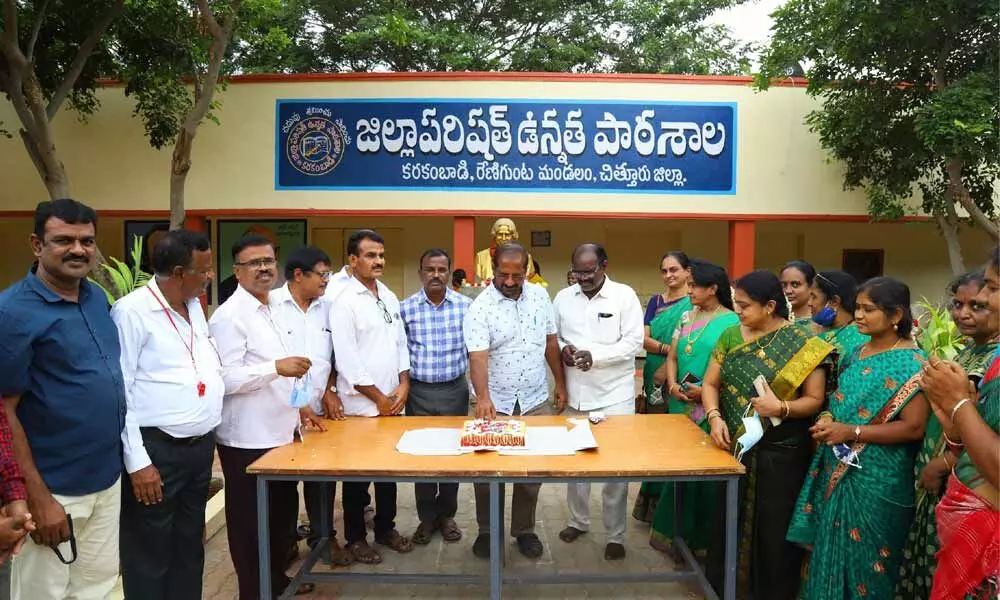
<point x="631" y="448"/>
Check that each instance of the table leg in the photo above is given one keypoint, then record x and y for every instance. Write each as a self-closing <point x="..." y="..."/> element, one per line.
<point x="732" y="511"/>
<point x="496" y="537"/>
<point x="326" y="520"/>
<point x="263" y="539"/>
<point x="678" y="510"/>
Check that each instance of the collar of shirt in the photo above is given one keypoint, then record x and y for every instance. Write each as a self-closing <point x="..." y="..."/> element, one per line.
<point x="449" y="297"/>
<point x="283" y="295"/>
<point x="154" y="301"/>
<point x="47" y="293"/>
<point x="247" y="301"/>
<point x="604" y="292"/>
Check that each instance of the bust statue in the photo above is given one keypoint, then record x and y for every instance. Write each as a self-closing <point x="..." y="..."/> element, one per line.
<point x="503" y="230"/>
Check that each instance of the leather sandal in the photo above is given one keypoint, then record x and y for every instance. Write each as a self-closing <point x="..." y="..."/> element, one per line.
<point x="393" y="539"/>
<point x="363" y="553"/>
<point x="424" y="533"/>
<point x="449" y="530"/>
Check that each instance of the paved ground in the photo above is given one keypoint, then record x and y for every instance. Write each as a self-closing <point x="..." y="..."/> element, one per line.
<point x="584" y="555"/>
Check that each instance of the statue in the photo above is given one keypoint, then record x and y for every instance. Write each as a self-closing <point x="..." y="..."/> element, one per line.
<point x="503" y="230"/>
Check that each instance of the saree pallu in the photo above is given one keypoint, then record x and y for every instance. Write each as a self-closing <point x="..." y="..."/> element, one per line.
<point x="856" y="519"/>
<point x="845" y="339"/>
<point x="661" y="329"/>
<point x="695" y="342"/>
<point x="768" y="566"/>
<point x="968" y="527"/>
<point x="917" y="571"/>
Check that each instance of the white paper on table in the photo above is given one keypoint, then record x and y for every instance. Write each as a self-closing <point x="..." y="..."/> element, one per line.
<point x="543" y="441"/>
<point x="435" y="441"/>
<point x="581" y="436"/>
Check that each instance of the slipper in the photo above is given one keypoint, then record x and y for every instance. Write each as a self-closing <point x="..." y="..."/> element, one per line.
<point x="570" y="534"/>
<point x="529" y="545"/>
<point x="363" y="553"/>
<point x="481" y="547"/>
<point x="449" y="530"/>
<point x="339" y="555"/>
<point x="424" y="533"/>
<point x="394" y="540"/>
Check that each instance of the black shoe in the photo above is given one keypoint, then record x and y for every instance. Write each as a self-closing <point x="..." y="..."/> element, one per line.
<point x="529" y="545"/>
<point x="481" y="547"/>
<point x="570" y="534"/>
<point x="614" y="552"/>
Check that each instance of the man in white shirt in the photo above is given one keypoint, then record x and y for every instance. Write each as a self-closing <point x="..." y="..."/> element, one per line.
<point x="301" y="311"/>
<point x="600" y="333"/>
<point x="373" y="366"/>
<point x="510" y="333"/>
<point x="173" y="389"/>
<point x="259" y="371"/>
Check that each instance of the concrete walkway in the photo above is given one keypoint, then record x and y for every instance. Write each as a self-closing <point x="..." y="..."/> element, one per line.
<point x="584" y="555"/>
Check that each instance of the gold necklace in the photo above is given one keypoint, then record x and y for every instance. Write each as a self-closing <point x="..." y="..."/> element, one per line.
<point x="761" y="354"/>
<point x="867" y="346"/>
<point x="689" y="347"/>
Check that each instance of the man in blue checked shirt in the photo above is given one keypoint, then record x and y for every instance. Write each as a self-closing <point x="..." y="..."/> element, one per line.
<point x="438" y="387"/>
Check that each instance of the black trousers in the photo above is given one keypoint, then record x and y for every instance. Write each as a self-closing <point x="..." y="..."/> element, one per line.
<point x="312" y="492"/>
<point x="447" y="399"/>
<point x="162" y="555"/>
<point x="241" y="521"/>
<point x="356" y="498"/>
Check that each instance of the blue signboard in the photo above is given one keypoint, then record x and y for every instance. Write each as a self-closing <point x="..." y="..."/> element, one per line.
<point x="506" y="145"/>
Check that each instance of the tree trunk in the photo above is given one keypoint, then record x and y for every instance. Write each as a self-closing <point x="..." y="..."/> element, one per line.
<point x="948" y="226"/>
<point x="180" y="166"/>
<point x="959" y="193"/>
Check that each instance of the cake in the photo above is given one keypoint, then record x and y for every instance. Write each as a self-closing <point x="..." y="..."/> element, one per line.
<point x="491" y="434"/>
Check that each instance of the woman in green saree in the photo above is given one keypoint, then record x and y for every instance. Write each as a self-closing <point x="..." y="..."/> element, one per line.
<point x="968" y="520"/>
<point x="663" y="313"/>
<point x="857" y="502"/>
<point x="797" y="278"/>
<point x="767" y="429"/>
<point x="832" y="301"/>
<point x="693" y="342"/>
<point x="936" y="459"/>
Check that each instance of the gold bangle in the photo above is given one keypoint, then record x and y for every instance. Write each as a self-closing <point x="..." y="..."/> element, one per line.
<point x="946" y="462"/>
<point x="785" y="409"/>
<point x="951" y="443"/>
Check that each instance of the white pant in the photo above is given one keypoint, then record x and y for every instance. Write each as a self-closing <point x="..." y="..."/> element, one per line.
<point x="614" y="495"/>
<point x="39" y="575"/>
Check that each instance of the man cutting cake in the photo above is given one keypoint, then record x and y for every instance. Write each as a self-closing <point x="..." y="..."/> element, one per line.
<point x="510" y="333"/>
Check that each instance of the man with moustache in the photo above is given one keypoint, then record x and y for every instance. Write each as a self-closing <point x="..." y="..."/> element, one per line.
<point x="510" y="333"/>
<point x="438" y="362"/>
<point x="259" y="371"/>
<point x="174" y="388"/>
<point x="601" y="332"/>
<point x="373" y="366"/>
<point x="302" y="312"/>
<point x="64" y="395"/>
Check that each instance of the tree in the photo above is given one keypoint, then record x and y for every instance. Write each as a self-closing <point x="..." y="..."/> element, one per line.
<point x="909" y="101"/>
<point x="505" y="35"/>
<point x="172" y="58"/>
<point x="51" y="53"/>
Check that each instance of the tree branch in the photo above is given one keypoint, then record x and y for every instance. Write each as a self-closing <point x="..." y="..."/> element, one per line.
<point x="948" y="226"/>
<point x="9" y="42"/>
<point x="39" y="19"/>
<point x="958" y="191"/>
<point x="209" y="19"/>
<point x="80" y="60"/>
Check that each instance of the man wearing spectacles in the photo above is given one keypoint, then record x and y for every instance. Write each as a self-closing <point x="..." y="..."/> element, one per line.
<point x="600" y="333"/>
<point x="64" y="395"/>
<point x="510" y="334"/>
<point x="259" y="413"/>
<point x="373" y="366"/>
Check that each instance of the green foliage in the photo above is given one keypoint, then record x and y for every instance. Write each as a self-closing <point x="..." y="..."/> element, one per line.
<point x="647" y="36"/>
<point x="124" y="279"/>
<point x="906" y="86"/>
<point x="940" y="336"/>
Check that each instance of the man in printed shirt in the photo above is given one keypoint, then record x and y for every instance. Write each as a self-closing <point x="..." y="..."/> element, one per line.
<point x="438" y="362"/>
<point x="373" y="367"/>
<point x="15" y="521"/>
<point x="64" y="394"/>
<point x="510" y="333"/>
<point x="600" y="331"/>
<point x="173" y="385"/>
<point x="259" y="370"/>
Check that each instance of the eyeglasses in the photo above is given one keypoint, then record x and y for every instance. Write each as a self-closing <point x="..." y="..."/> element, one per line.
<point x="590" y="273"/>
<point x="324" y="275"/>
<point x="258" y="263"/>
<point x="385" y="311"/>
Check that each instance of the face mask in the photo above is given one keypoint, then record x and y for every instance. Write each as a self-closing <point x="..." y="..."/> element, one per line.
<point x="825" y="317"/>
<point x="300" y="392"/>
<point x="754" y="431"/>
<point x="847" y="455"/>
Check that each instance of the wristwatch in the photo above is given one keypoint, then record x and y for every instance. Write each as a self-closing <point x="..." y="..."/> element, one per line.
<point x="857" y="434"/>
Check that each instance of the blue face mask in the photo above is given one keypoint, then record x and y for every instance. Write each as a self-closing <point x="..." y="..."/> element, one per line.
<point x="825" y="317"/>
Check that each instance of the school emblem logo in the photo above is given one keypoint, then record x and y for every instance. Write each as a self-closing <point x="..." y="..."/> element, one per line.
<point x="316" y="143"/>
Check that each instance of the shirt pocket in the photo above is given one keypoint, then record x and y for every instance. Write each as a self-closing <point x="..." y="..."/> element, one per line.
<point x="606" y="327"/>
<point x="321" y="343"/>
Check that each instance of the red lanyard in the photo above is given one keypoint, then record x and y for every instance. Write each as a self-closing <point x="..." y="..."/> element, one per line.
<point x="188" y="346"/>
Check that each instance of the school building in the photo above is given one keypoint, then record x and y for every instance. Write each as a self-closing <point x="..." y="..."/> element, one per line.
<point x="641" y="163"/>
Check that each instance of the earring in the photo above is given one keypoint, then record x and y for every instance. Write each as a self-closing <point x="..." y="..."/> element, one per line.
<point x="895" y="326"/>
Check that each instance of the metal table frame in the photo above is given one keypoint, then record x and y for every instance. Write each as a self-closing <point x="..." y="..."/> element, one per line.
<point x="496" y="575"/>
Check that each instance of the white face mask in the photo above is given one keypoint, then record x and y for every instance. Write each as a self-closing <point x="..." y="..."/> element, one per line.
<point x="754" y="432"/>
<point x="847" y="455"/>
